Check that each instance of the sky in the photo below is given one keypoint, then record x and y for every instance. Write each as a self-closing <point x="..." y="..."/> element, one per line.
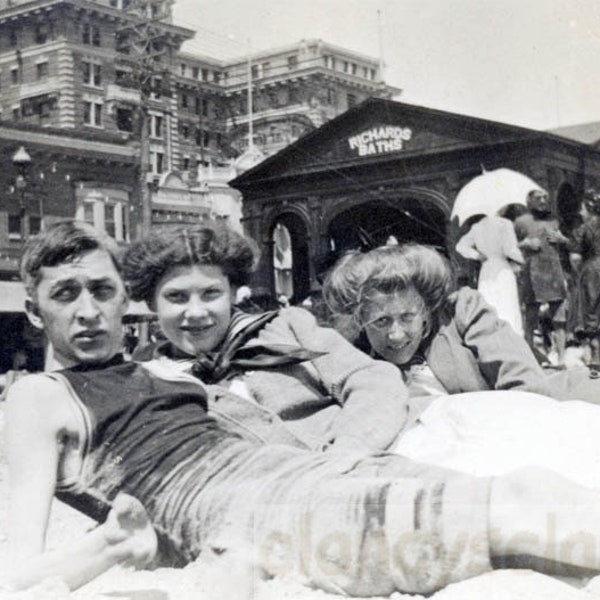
<point x="534" y="63"/>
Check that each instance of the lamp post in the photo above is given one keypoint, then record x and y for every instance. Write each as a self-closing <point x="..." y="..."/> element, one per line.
<point x="21" y="160"/>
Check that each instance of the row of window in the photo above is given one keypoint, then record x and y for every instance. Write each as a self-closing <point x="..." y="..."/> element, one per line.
<point x="346" y="66"/>
<point x="202" y="74"/>
<point x="201" y="137"/>
<point x="42" y="33"/>
<point x="32" y="225"/>
<point x="201" y="105"/>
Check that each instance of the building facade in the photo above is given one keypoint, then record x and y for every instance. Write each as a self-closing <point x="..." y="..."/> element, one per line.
<point x="74" y="65"/>
<point x="384" y="169"/>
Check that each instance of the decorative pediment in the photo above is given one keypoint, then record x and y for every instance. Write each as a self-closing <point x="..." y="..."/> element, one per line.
<point x="380" y="128"/>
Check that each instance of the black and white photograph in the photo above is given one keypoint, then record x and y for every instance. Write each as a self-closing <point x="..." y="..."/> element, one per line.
<point x="299" y="300"/>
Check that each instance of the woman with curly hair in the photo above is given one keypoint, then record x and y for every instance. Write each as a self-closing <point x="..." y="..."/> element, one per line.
<point x="276" y="376"/>
<point x="476" y="391"/>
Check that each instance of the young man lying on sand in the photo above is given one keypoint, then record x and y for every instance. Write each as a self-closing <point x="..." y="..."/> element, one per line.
<point x="101" y="433"/>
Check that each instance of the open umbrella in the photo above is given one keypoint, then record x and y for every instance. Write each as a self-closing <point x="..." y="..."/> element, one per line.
<point x="487" y="193"/>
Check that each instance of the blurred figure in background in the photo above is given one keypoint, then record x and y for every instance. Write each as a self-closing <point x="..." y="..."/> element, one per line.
<point x="585" y="259"/>
<point x="542" y="278"/>
<point x="492" y="241"/>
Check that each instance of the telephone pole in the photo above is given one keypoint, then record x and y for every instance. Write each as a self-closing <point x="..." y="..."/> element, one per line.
<point x="145" y="47"/>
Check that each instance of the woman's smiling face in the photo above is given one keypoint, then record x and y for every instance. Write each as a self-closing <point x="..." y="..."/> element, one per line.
<point x="395" y="324"/>
<point x="194" y="306"/>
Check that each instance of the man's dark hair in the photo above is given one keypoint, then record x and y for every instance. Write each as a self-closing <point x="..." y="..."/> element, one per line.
<point x="60" y="243"/>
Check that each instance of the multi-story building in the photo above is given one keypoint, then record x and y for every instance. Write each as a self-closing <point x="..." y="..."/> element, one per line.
<point x="67" y="63"/>
<point x="78" y="78"/>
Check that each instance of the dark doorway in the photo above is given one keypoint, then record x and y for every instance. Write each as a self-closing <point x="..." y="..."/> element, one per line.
<point x="375" y="223"/>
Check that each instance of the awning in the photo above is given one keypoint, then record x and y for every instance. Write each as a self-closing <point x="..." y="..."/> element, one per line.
<point x="12" y="300"/>
<point x="12" y="297"/>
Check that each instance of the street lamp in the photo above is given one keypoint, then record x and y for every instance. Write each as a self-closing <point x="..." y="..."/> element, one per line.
<point x="21" y="160"/>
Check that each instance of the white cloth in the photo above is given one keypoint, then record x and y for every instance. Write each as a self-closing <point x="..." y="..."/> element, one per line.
<point x="492" y="433"/>
<point x="493" y="241"/>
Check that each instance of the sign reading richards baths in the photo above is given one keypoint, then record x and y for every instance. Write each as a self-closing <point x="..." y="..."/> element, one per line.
<point x="379" y="140"/>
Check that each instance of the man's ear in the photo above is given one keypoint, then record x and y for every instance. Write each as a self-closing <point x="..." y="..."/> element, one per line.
<point x="32" y="311"/>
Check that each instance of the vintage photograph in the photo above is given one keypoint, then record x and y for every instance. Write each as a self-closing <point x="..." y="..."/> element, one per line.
<point x="299" y="300"/>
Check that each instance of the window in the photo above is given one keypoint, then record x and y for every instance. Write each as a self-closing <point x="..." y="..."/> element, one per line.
<point x="41" y="70"/>
<point x="14" y="76"/>
<point x="216" y="76"/>
<point x="186" y="163"/>
<point x="205" y="108"/>
<point x="195" y="72"/>
<point x="182" y="69"/>
<point x="16" y="114"/>
<point x="353" y="68"/>
<point x="14" y="227"/>
<point x="155" y="126"/>
<point x="331" y="97"/>
<point x="198" y="105"/>
<point x="122" y="43"/>
<point x="351" y="100"/>
<point x="124" y="119"/>
<point x="156" y="88"/>
<point x="92" y="73"/>
<point x="13" y="37"/>
<point x="157" y="162"/>
<point x="184" y="100"/>
<point x="202" y="137"/>
<point x="92" y="113"/>
<point x="255" y="72"/>
<point x="204" y="74"/>
<point x="266" y="66"/>
<point x="185" y="131"/>
<point x="292" y="62"/>
<point x="122" y="78"/>
<point x="41" y="33"/>
<point x="106" y="210"/>
<point x="110" y="219"/>
<point x="35" y="224"/>
<point x="90" y="35"/>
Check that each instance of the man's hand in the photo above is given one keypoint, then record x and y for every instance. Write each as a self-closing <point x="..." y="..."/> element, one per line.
<point x="129" y="531"/>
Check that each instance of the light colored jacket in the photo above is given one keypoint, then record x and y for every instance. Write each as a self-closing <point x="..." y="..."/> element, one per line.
<point x="474" y="350"/>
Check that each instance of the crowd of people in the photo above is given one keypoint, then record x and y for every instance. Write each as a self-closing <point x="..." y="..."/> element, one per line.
<point x="271" y="432"/>
<point x="544" y="283"/>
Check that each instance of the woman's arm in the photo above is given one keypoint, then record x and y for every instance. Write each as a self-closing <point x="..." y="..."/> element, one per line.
<point x="503" y="356"/>
<point x="467" y="247"/>
<point x="372" y="393"/>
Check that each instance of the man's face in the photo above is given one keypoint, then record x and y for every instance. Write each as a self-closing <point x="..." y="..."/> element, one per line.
<point x="80" y="305"/>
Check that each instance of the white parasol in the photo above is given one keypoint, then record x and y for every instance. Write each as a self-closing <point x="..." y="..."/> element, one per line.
<point x="487" y="193"/>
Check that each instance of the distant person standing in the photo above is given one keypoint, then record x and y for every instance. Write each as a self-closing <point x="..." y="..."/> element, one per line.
<point x="492" y="241"/>
<point x="585" y="259"/>
<point x="543" y="278"/>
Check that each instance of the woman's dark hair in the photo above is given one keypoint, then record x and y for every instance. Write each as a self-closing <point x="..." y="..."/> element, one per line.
<point x="350" y="284"/>
<point x="208" y="243"/>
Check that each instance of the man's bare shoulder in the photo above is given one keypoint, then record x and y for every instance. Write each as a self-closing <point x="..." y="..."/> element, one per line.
<point x="39" y="390"/>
